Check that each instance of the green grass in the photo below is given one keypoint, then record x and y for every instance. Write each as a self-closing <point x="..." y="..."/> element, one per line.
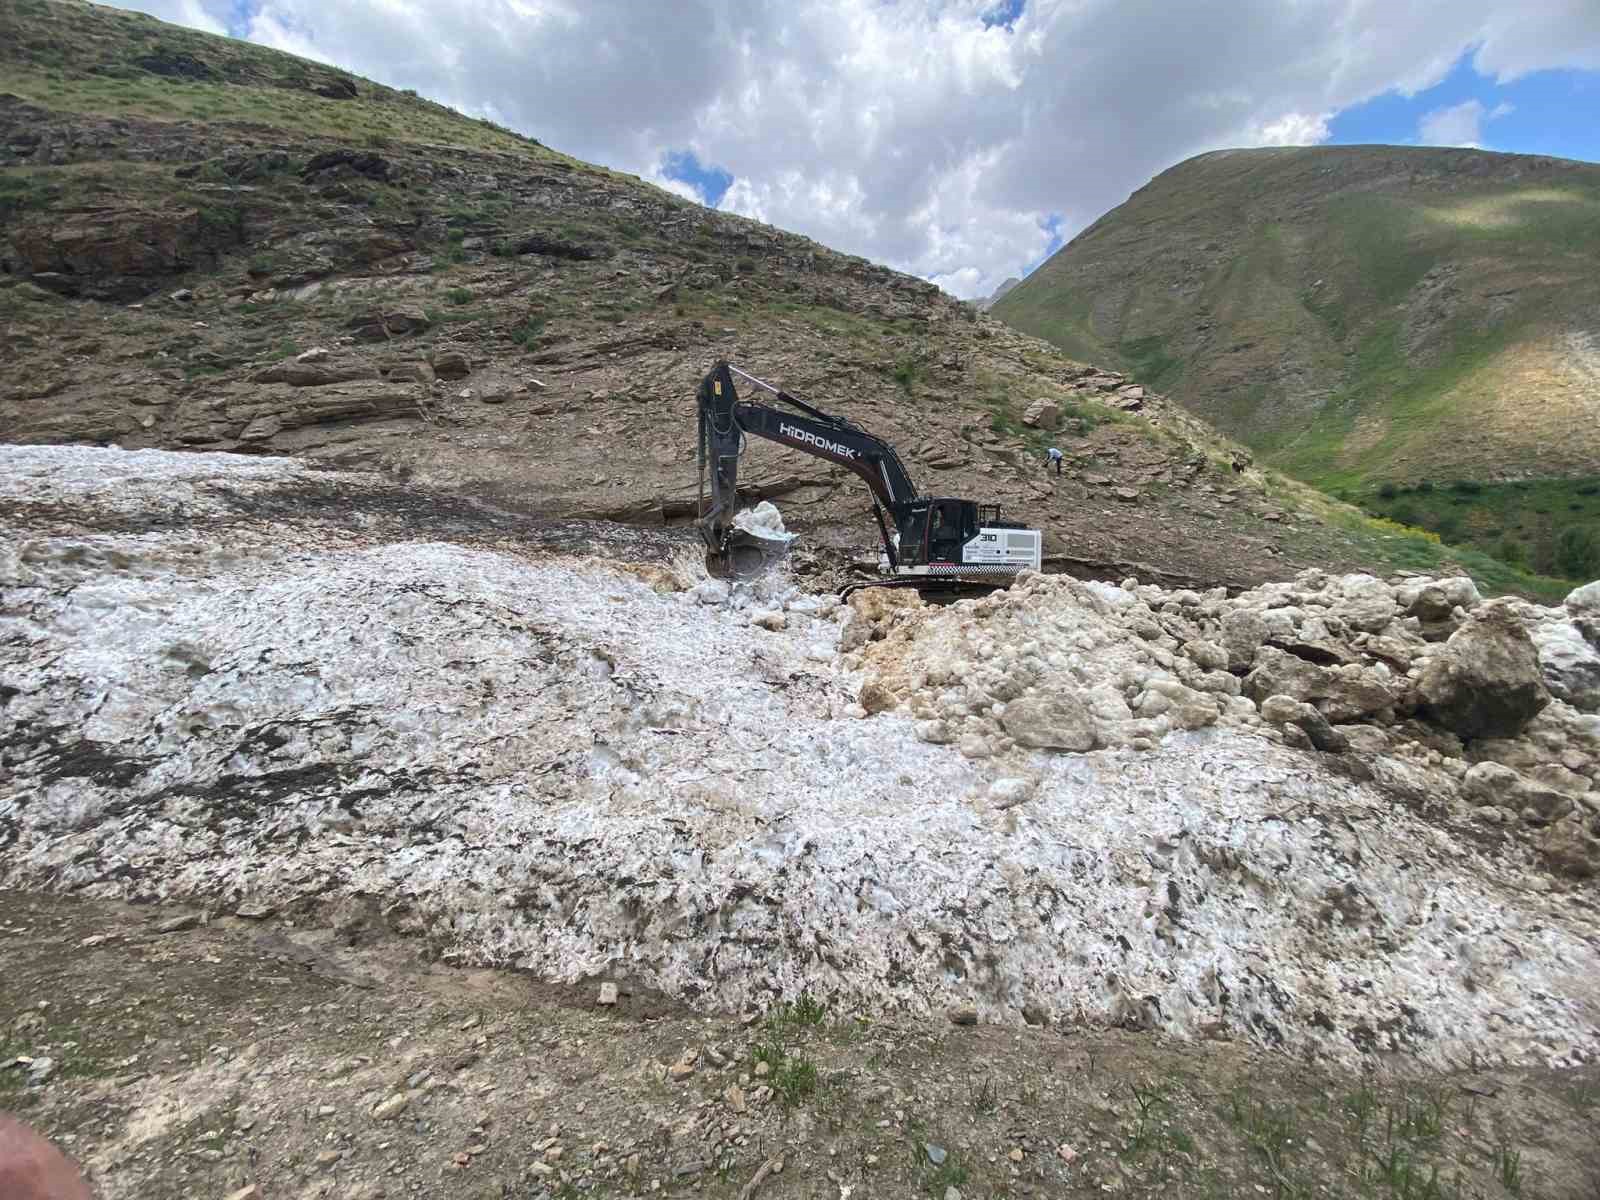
<point x="1536" y="526"/>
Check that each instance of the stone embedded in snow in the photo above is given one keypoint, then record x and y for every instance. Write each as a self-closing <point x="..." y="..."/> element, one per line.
<point x="1208" y="655"/>
<point x="1365" y="603"/>
<point x="1244" y="631"/>
<point x="768" y="618"/>
<point x="1055" y="722"/>
<point x="1285" y="710"/>
<point x="1485" y="682"/>
<point x="1492" y="783"/>
<point x="1570" y="848"/>
<point x="710" y="591"/>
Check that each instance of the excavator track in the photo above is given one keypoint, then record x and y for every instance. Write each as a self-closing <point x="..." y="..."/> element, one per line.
<point x="941" y="591"/>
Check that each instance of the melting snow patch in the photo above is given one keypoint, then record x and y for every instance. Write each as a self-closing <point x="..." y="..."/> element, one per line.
<point x="554" y="764"/>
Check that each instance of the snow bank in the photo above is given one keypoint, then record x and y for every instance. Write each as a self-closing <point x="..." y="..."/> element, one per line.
<point x="583" y="772"/>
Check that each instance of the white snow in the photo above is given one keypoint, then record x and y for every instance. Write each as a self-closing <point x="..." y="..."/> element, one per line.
<point x="549" y="763"/>
<point x="763" y="521"/>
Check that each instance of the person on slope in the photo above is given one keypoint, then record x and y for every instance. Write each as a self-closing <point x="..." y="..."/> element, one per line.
<point x="1052" y="456"/>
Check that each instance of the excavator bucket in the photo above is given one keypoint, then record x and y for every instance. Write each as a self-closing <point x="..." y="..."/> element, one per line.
<point x="746" y="555"/>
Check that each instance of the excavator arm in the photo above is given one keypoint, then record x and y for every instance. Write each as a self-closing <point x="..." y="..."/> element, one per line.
<point x="724" y="422"/>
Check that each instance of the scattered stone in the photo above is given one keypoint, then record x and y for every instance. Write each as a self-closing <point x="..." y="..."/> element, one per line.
<point x="183" y="296"/>
<point x="936" y="1154"/>
<point x="249" y="1192"/>
<point x="763" y="1069"/>
<point x="735" y="1098"/>
<point x="179" y="924"/>
<point x="952" y="1193"/>
<point x="964" y="1015"/>
<point x="392" y="1107"/>
<point x="451" y="364"/>
<point x="314" y="355"/>
<point x="1016" y="1154"/>
<point x="40" y="1070"/>
<point x="608" y="994"/>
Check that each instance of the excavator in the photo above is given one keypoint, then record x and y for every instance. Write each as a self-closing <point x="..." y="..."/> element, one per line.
<point x="933" y="544"/>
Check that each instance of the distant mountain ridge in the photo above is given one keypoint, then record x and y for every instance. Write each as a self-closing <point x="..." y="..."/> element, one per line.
<point x="1357" y="314"/>
<point x="995" y="296"/>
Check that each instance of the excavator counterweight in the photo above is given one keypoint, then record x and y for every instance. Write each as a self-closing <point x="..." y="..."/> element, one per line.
<point x="931" y="543"/>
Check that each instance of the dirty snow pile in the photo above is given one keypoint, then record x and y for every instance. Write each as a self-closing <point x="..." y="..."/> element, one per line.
<point x="1436" y="692"/>
<point x="602" y="771"/>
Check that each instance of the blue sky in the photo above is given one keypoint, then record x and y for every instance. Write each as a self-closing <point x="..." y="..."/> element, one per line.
<point x="1547" y="112"/>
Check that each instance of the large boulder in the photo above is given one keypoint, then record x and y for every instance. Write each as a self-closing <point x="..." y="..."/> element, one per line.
<point x="1042" y="414"/>
<point x="1058" y="722"/>
<point x="1485" y="681"/>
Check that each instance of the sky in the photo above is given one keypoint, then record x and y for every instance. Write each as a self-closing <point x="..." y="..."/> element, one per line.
<point x="960" y="140"/>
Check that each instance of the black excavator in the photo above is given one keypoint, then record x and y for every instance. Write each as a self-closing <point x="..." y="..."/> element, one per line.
<point x="934" y="544"/>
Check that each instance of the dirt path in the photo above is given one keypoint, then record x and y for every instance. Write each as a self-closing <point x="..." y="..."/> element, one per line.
<point x="206" y="1059"/>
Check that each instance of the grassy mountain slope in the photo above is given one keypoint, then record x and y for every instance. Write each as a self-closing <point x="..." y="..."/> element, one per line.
<point x="1358" y="314"/>
<point x="209" y="245"/>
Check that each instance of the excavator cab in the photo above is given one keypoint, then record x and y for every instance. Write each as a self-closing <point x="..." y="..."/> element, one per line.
<point x="934" y="530"/>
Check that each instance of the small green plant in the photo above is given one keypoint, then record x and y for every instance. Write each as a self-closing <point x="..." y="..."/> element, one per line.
<point x="795" y="1080"/>
<point x="527" y="334"/>
<point x="1508" y="1167"/>
<point x="747" y="266"/>
<point x="905" y="373"/>
<point x="459" y="296"/>
<point x="985" y="1096"/>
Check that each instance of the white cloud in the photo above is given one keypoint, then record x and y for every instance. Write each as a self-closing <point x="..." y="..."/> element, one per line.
<point x="197" y="14"/>
<point x="1459" y="125"/>
<point x="906" y="130"/>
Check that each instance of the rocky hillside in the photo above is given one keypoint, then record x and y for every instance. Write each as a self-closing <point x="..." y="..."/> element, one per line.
<point x="212" y="246"/>
<point x="1357" y="314"/>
